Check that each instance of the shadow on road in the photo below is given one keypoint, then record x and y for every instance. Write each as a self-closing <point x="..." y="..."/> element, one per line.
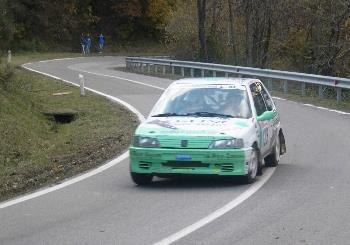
<point x="195" y="182"/>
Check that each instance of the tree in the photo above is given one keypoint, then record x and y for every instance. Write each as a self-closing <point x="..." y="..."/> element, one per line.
<point x="201" y="15"/>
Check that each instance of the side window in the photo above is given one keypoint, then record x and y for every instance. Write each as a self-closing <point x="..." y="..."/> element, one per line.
<point x="258" y="99"/>
<point x="268" y="100"/>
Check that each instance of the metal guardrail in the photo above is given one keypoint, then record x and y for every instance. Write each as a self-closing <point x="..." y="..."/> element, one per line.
<point x="144" y="64"/>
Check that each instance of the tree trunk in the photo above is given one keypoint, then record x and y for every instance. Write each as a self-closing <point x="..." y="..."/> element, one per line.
<point x="201" y="10"/>
<point x="232" y="32"/>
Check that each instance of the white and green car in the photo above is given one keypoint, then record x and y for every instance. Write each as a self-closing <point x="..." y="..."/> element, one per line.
<point x="211" y="126"/>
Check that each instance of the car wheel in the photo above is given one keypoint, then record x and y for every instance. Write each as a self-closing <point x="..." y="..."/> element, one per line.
<point x="273" y="159"/>
<point x="252" y="168"/>
<point x="141" y="179"/>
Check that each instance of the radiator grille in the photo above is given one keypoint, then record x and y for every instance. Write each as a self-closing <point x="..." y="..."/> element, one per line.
<point x="227" y="168"/>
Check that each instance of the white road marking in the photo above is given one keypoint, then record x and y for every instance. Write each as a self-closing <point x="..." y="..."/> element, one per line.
<point x="121" y="78"/>
<point x="33" y="195"/>
<point x="187" y="230"/>
<point x="314" y="106"/>
<point x="74" y="180"/>
<point x="44" y="61"/>
<point x="130" y="107"/>
<point x="219" y="212"/>
<point x="211" y="217"/>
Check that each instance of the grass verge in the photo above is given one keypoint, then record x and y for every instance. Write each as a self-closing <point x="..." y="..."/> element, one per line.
<point x="35" y="149"/>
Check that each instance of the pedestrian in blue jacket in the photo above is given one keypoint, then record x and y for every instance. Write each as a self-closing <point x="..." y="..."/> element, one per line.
<point x="101" y="42"/>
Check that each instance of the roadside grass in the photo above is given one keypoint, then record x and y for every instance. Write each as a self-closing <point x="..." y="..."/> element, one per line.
<point x="35" y="149"/>
<point x="311" y="95"/>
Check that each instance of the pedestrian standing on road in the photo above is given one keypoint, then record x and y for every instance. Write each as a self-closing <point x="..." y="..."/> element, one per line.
<point x="101" y="42"/>
<point x="82" y="43"/>
<point x="88" y="44"/>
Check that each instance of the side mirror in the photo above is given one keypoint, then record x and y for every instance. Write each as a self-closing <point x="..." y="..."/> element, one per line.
<point x="267" y="115"/>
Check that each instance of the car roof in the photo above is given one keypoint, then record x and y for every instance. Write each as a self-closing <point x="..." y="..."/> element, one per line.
<point x="215" y="81"/>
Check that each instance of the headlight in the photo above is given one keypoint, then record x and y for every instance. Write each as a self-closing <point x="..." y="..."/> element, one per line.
<point x="140" y="141"/>
<point x="226" y="144"/>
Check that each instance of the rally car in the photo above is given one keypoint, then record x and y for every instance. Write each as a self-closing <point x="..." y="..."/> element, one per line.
<point x="208" y="126"/>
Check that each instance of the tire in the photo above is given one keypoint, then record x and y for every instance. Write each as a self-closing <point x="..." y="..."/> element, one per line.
<point x="253" y="168"/>
<point x="273" y="159"/>
<point x="141" y="179"/>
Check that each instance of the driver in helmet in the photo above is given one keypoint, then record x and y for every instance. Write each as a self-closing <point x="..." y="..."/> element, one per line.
<point x="235" y="105"/>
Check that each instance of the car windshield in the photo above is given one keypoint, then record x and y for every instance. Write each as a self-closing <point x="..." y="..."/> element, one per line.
<point x="208" y="101"/>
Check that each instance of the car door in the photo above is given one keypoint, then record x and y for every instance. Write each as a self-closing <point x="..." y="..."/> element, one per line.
<point x="272" y="125"/>
<point x="260" y="108"/>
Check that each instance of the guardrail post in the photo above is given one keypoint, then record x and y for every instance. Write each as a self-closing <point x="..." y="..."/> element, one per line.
<point x="303" y="93"/>
<point x="173" y="70"/>
<point x="182" y="71"/>
<point x="202" y="73"/>
<point x="82" y="85"/>
<point x="226" y="74"/>
<point x="240" y="75"/>
<point x="285" y="87"/>
<point x="142" y="68"/>
<point x="9" y="57"/>
<point x="269" y="84"/>
<point x="149" y="68"/>
<point x="214" y="73"/>
<point x="139" y="67"/>
<point x="339" y="90"/>
<point x="192" y="72"/>
<point x="320" y="91"/>
<point x="164" y="70"/>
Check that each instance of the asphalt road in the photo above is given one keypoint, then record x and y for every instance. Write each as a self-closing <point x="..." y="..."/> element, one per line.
<point x="306" y="201"/>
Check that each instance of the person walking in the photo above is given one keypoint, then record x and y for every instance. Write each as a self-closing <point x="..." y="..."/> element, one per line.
<point x="88" y="44"/>
<point x="82" y="43"/>
<point x="101" y="42"/>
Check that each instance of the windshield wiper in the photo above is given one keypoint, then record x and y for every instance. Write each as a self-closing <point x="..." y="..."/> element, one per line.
<point x="207" y="114"/>
<point x="168" y="115"/>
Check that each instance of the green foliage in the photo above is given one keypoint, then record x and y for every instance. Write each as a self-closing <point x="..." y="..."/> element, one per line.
<point x="42" y="24"/>
<point x="7" y="28"/>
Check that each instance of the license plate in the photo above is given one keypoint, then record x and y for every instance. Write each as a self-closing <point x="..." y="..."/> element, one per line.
<point x="183" y="157"/>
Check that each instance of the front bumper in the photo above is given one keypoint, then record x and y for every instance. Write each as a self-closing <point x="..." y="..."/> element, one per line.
<point x="190" y="161"/>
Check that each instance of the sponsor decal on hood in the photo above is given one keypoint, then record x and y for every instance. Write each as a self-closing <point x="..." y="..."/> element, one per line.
<point x="194" y="126"/>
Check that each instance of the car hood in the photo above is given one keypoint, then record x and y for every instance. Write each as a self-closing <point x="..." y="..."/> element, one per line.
<point x="194" y="126"/>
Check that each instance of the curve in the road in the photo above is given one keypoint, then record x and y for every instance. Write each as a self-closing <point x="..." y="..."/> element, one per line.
<point x="178" y="235"/>
<point x="108" y="209"/>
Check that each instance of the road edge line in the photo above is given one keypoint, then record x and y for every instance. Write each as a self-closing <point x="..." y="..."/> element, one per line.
<point x="219" y="212"/>
<point x="88" y="174"/>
